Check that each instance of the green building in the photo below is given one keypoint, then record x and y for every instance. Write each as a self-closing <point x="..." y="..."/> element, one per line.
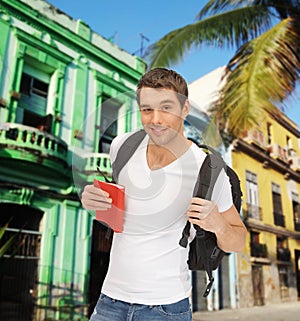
<point x="55" y="74"/>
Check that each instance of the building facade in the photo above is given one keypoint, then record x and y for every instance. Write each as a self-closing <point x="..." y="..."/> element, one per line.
<point x="224" y="294"/>
<point x="267" y="160"/>
<point x="65" y="92"/>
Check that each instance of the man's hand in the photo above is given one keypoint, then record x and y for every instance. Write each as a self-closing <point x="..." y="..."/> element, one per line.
<point x="205" y="214"/>
<point x="94" y="198"/>
<point x="229" y="228"/>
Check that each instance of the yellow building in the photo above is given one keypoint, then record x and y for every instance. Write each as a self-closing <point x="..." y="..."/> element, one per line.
<point x="267" y="160"/>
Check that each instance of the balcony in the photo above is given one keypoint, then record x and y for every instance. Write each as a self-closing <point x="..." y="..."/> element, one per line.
<point x="294" y="162"/>
<point x="254" y="211"/>
<point x="278" y="152"/>
<point x="279" y="219"/>
<point x="85" y="167"/>
<point x="259" y="250"/>
<point x="255" y="137"/>
<point x="101" y="160"/>
<point x="283" y="254"/>
<point x="31" y="156"/>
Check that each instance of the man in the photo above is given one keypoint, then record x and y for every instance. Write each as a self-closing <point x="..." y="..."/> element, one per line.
<point x="148" y="277"/>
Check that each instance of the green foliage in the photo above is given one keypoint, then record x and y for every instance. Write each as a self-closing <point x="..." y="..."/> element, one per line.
<point x="9" y="243"/>
<point x="220" y="30"/>
<point x="266" y="66"/>
<point x="260" y="75"/>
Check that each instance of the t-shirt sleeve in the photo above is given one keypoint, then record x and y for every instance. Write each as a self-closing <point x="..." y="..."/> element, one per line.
<point x="222" y="192"/>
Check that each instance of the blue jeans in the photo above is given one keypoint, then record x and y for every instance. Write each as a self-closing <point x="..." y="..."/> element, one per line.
<point x="108" y="309"/>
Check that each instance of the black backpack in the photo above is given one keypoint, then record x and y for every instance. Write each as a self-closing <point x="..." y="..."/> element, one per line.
<point x="204" y="253"/>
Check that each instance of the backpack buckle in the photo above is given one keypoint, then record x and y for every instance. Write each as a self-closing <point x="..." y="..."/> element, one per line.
<point x="208" y="288"/>
<point x="215" y="253"/>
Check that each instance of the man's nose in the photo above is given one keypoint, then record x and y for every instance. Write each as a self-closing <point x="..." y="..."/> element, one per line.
<point x="156" y="116"/>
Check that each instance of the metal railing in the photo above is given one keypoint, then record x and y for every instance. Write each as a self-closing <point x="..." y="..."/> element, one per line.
<point x="25" y="245"/>
<point x="254" y="211"/>
<point x="283" y="254"/>
<point x="61" y="300"/>
<point x="279" y="219"/>
<point x="259" y="250"/>
<point x="23" y="137"/>
<point x="57" y="295"/>
<point x="101" y="160"/>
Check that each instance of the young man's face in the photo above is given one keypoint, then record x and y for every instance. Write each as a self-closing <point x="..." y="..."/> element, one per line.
<point x="161" y="114"/>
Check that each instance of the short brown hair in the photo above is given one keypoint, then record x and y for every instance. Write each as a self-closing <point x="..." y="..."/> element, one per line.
<point x="164" y="78"/>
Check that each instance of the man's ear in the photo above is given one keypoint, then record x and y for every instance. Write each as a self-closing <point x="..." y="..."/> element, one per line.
<point x="186" y="108"/>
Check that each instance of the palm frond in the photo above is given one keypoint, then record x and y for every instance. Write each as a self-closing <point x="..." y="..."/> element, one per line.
<point x="260" y="75"/>
<point x="7" y="245"/>
<point x="283" y="8"/>
<point x="3" y="229"/>
<point x="210" y="135"/>
<point x="224" y="30"/>
<point x="286" y="8"/>
<point x="216" y="6"/>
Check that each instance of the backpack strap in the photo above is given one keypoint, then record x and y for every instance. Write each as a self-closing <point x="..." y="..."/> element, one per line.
<point x="123" y="155"/>
<point x="208" y="174"/>
<point x="207" y="177"/>
<point x="235" y="188"/>
<point x="126" y="151"/>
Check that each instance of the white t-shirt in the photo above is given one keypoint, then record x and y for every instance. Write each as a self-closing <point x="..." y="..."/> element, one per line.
<point x="147" y="264"/>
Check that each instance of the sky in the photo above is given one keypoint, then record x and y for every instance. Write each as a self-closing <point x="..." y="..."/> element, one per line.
<point x="137" y="24"/>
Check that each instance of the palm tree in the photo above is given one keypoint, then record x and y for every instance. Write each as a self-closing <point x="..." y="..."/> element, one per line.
<point x="10" y="245"/>
<point x="266" y="66"/>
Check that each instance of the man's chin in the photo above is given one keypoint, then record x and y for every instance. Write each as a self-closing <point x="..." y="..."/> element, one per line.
<point x="157" y="139"/>
<point x="160" y="139"/>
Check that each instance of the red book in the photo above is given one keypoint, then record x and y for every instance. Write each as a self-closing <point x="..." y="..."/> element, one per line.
<point x="114" y="216"/>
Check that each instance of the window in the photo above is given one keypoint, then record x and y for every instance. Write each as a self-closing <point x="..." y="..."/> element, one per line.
<point x="253" y="209"/>
<point x="254" y="237"/>
<point x="257" y="249"/>
<point x="283" y="252"/>
<point x="283" y="281"/>
<point x="289" y="147"/>
<point x="33" y="103"/>
<point x="296" y="211"/>
<point x="269" y="132"/>
<point x="31" y="85"/>
<point x="108" y="123"/>
<point x="277" y="206"/>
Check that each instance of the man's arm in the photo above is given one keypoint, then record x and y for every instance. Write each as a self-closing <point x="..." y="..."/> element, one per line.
<point x="228" y="226"/>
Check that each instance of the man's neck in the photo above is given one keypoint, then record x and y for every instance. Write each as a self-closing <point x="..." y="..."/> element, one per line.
<point x="159" y="156"/>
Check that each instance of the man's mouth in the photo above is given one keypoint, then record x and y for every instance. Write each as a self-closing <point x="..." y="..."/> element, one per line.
<point x="158" y="130"/>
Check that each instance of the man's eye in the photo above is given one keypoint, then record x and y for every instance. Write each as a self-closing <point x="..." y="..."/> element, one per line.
<point x="166" y="107"/>
<point x="146" y="110"/>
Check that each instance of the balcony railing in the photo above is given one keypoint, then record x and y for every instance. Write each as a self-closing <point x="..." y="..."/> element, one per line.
<point x="259" y="250"/>
<point x="101" y="160"/>
<point x="278" y="152"/>
<point x="279" y="219"/>
<point x="25" y="245"/>
<point x="255" y="136"/>
<point x="85" y="167"/>
<point x="254" y="211"/>
<point x="297" y="224"/>
<point x="23" y="137"/>
<point x="283" y="254"/>
<point x="295" y="162"/>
